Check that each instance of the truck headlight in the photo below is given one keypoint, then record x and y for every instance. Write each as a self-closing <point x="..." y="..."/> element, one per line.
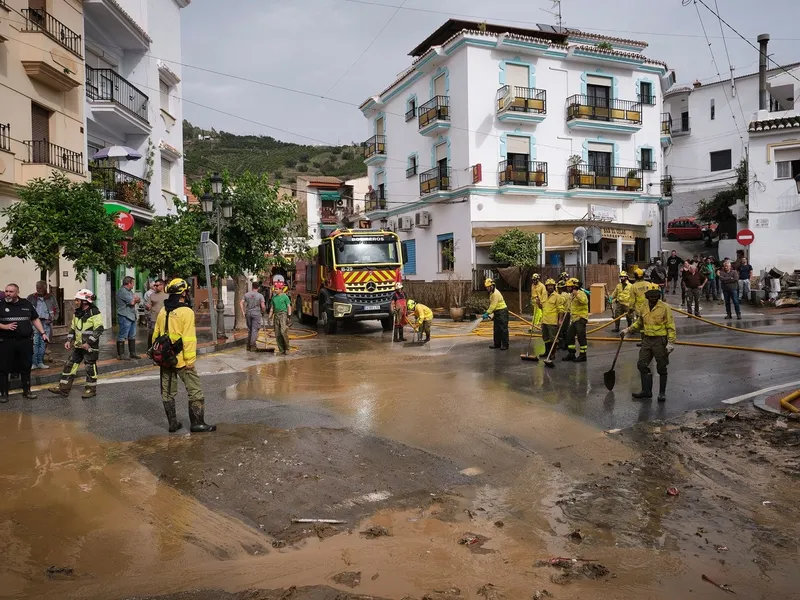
<point x="340" y="309"/>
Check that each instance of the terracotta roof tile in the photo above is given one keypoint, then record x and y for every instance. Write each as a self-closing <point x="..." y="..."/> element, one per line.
<point x="776" y="124"/>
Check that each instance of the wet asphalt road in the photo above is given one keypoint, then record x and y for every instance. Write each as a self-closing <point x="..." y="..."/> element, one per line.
<point x="128" y="407"/>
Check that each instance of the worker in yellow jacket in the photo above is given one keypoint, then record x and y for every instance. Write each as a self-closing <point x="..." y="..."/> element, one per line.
<point x="622" y="300"/>
<point x="538" y="296"/>
<point x="177" y="320"/>
<point x="423" y="316"/>
<point x="497" y="311"/>
<point x="640" y="286"/>
<point x="553" y="310"/>
<point x="658" y="337"/>
<point x="579" y="317"/>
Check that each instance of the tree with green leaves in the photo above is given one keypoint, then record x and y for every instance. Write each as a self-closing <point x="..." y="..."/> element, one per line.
<point x="263" y="224"/>
<point x="169" y="244"/>
<point x="517" y="248"/>
<point x="57" y="217"/>
<point x="718" y="208"/>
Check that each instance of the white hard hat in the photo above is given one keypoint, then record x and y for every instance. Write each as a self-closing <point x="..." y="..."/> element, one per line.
<point x="398" y="286"/>
<point x="277" y="278"/>
<point x="84" y="295"/>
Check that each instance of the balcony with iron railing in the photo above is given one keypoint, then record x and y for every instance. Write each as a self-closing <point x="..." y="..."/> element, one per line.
<point x="5" y="137"/>
<point x="528" y="173"/>
<point x="116" y="102"/>
<point x="666" y="186"/>
<point x="521" y="105"/>
<point x="620" y="179"/>
<point x="647" y="165"/>
<point x="119" y="186"/>
<point x="666" y="124"/>
<point x="375" y="150"/>
<point x="328" y="215"/>
<point x="375" y="200"/>
<point x="434" y="115"/>
<point x="38" y="20"/>
<point x="434" y="180"/>
<point x="597" y="113"/>
<point x="42" y="152"/>
<point x="681" y="126"/>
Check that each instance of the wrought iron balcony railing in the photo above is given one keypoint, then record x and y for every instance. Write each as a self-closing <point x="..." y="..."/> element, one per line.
<point x="435" y="109"/>
<point x="621" y="179"/>
<point x="410" y="114"/>
<point x="597" y="108"/>
<point x="649" y="100"/>
<point x="647" y="165"/>
<point x="411" y="171"/>
<point x="666" y="124"/>
<point x="119" y="186"/>
<point x="40" y="20"/>
<point x="521" y="99"/>
<point x="42" y="152"/>
<point x="328" y="215"/>
<point x="106" y="85"/>
<point x="436" y="179"/>
<point x="5" y="137"/>
<point x="374" y="146"/>
<point x="530" y="173"/>
<point x="375" y="200"/>
<point x="666" y="186"/>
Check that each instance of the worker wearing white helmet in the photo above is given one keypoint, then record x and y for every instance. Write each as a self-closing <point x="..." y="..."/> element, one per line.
<point x="400" y="312"/>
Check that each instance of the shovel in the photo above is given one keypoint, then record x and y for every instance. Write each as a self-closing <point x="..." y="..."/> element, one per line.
<point x="266" y="347"/>
<point x="548" y="362"/>
<point x="527" y="355"/>
<point x="610" y="377"/>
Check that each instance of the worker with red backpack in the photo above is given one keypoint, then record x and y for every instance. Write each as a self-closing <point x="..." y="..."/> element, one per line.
<point x="174" y="349"/>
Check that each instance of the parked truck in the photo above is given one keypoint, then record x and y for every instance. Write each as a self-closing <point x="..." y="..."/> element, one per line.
<point x="353" y="278"/>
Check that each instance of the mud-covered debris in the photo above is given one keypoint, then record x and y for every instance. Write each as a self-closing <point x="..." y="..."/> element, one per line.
<point x="279" y="544"/>
<point x="557" y="465"/>
<point x="573" y="569"/>
<point x="54" y="571"/>
<point x="349" y="578"/>
<point x="326" y="521"/>
<point x="375" y="531"/>
<point x="701" y="531"/>
<point x="724" y="587"/>
<point x="721" y="548"/>
<point x="499" y="524"/>
<point x="541" y="594"/>
<point x="781" y="423"/>
<point x="475" y="542"/>
<point x="489" y="592"/>
<point x="576" y="536"/>
<point x="673" y="491"/>
<point x="731" y="414"/>
<point x="374" y="577"/>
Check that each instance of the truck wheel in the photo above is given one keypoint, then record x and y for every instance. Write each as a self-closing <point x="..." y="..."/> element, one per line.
<point x="326" y="320"/>
<point x="387" y="323"/>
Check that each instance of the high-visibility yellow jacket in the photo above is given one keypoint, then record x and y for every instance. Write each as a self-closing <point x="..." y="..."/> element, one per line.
<point x="181" y="327"/>
<point x="553" y="308"/>
<point x="622" y="294"/>
<point x="579" y="309"/>
<point x="422" y="313"/>
<point x="638" y="301"/>
<point x="538" y="291"/>
<point x="86" y="328"/>
<point x="657" y="322"/>
<point x="496" y="302"/>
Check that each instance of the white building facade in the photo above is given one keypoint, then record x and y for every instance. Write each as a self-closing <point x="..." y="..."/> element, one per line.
<point x="495" y="127"/>
<point x="134" y="98"/>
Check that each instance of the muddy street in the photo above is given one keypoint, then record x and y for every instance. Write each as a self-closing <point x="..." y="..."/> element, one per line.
<point x="444" y="471"/>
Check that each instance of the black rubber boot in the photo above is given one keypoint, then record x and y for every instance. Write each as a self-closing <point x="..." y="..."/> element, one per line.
<point x="581" y="357"/>
<point x="570" y="357"/>
<point x="547" y="347"/>
<point x="121" y="351"/>
<point x="402" y="336"/>
<point x="196" y="416"/>
<point x="395" y="337"/>
<point x="427" y="337"/>
<point x="3" y="388"/>
<point x="662" y="388"/>
<point x="493" y="347"/>
<point x="172" y="418"/>
<point x="89" y="392"/>
<point x="25" y="384"/>
<point x="132" y="350"/>
<point x="647" y="387"/>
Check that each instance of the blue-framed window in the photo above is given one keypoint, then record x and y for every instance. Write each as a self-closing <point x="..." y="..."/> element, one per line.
<point x="447" y="252"/>
<point x="410" y="268"/>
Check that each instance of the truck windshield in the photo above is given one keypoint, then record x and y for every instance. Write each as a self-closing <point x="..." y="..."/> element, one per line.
<point x="366" y="251"/>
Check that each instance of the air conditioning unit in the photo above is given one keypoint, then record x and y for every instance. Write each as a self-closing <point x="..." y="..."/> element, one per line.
<point x="405" y="224"/>
<point x="391" y="226"/>
<point x="423" y="219"/>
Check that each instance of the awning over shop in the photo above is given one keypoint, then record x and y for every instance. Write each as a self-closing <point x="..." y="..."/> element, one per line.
<point x="558" y="235"/>
<point x="330" y="196"/>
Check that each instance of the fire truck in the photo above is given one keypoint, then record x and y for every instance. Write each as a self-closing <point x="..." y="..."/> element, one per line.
<point x="353" y="278"/>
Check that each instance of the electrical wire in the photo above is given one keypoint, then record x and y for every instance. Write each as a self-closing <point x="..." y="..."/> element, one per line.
<point x="730" y="65"/>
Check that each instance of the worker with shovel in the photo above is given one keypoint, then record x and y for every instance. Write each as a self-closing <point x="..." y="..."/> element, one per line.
<point x="553" y="310"/>
<point x="538" y="297"/>
<point x="658" y="335"/>
<point x="561" y="288"/>
<point x="423" y="317"/>
<point x="623" y="303"/>
<point x="579" y="317"/>
<point x="498" y="312"/>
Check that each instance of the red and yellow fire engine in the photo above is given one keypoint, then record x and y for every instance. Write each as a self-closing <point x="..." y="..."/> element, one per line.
<point x="353" y="278"/>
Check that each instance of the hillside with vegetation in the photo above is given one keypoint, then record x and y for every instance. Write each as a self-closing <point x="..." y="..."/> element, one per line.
<point x="211" y="150"/>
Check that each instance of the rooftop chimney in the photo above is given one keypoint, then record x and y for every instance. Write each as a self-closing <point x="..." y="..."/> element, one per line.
<point x="697" y="83"/>
<point x="763" y="40"/>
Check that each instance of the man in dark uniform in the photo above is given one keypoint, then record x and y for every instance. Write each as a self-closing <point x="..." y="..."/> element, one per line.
<point x="18" y="319"/>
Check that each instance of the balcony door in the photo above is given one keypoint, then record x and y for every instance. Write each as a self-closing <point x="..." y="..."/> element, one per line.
<point x="379" y="126"/>
<point x="40" y="134"/>
<point x="441" y="159"/>
<point x="600" y="163"/>
<point x="598" y="90"/>
<point x="518" y="78"/>
<point x="439" y="86"/>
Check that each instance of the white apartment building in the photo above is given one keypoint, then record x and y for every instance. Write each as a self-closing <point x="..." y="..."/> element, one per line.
<point x="477" y="137"/>
<point x="327" y="203"/>
<point x="133" y="96"/>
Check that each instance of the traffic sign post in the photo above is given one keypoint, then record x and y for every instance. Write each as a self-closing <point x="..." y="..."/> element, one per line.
<point x="745" y="237"/>
<point x="208" y="252"/>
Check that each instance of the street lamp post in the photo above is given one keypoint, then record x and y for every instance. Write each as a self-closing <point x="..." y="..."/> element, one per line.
<point x="216" y="206"/>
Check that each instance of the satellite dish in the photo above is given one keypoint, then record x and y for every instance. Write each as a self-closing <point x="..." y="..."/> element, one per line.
<point x="579" y="235"/>
<point x="594" y="235"/>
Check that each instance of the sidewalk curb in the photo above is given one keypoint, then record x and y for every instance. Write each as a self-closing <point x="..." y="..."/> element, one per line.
<point x="53" y="374"/>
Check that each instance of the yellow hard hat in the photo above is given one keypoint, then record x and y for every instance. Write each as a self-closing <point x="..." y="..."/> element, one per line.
<point x="573" y="282"/>
<point x="536" y="276"/>
<point x="638" y="272"/>
<point x="489" y="282"/>
<point x="177" y="286"/>
<point x="623" y="273"/>
<point x="549" y="282"/>
<point x="653" y="288"/>
<point x="411" y="304"/>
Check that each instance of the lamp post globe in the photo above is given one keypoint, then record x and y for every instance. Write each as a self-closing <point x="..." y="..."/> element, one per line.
<point x="216" y="184"/>
<point x="207" y="203"/>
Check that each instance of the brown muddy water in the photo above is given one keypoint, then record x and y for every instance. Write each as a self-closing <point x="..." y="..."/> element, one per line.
<point x="72" y="500"/>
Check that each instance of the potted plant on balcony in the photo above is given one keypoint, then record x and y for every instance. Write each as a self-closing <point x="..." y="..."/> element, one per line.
<point x="633" y="181"/>
<point x="574" y="171"/>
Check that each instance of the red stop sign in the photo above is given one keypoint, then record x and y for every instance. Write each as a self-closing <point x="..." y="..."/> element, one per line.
<point x="745" y="237"/>
<point x="124" y="221"/>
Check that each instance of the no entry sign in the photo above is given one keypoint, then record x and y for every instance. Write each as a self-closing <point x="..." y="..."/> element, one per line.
<point x="745" y="237"/>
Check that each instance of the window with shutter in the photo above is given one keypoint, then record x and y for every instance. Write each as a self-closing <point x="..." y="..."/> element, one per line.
<point x="164" y="88"/>
<point x="166" y="175"/>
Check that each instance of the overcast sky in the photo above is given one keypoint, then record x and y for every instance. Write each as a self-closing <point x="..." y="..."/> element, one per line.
<point x="311" y="45"/>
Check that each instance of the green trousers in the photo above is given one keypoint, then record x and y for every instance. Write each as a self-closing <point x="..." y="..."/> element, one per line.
<point x="191" y="381"/>
<point x="281" y="323"/>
